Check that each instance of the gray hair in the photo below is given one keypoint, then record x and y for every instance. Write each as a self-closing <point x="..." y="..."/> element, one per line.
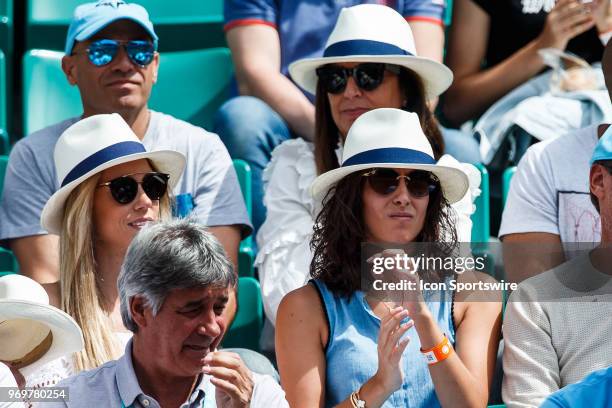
<point x="170" y="255"/>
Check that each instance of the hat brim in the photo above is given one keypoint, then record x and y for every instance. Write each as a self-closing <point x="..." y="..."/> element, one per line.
<point x="454" y="182"/>
<point x="165" y="161"/>
<point x="436" y="77"/>
<point x="67" y="336"/>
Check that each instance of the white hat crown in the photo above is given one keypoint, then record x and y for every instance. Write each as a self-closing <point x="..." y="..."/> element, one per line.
<point x="19" y="287"/>
<point x="386" y="128"/>
<point x="371" y="22"/>
<point x="92" y="140"/>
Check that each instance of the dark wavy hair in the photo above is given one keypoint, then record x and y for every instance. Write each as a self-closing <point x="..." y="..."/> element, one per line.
<point x="326" y="132"/>
<point x="340" y="229"/>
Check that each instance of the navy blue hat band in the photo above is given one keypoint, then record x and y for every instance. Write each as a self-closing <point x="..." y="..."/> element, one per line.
<point x="363" y="47"/>
<point x="390" y="155"/>
<point x="105" y="155"/>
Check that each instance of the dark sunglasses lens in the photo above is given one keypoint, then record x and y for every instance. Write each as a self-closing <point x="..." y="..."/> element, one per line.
<point x="155" y="185"/>
<point x="140" y="52"/>
<point x="102" y="52"/>
<point x="124" y="189"/>
<point x="383" y="181"/>
<point x="333" y="79"/>
<point x="420" y="184"/>
<point x="369" y="76"/>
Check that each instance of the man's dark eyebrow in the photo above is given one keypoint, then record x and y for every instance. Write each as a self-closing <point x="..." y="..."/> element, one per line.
<point x="199" y="302"/>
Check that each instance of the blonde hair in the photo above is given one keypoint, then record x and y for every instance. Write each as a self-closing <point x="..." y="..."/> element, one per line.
<point x="81" y="296"/>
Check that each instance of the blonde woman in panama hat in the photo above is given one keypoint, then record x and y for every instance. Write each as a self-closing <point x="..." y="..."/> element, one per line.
<point x="110" y="188"/>
<point x="343" y="341"/>
<point x="370" y="61"/>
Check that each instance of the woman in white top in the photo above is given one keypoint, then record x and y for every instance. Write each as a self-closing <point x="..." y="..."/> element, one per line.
<point x="369" y="62"/>
<point x="111" y="187"/>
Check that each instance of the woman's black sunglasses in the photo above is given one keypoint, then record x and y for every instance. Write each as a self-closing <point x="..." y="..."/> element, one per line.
<point x="124" y="189"/>
<point x="419" y="183"/>
<point x="368" y="76"/>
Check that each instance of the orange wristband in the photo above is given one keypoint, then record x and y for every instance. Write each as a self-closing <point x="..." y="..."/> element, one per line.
<point x="439" y="352"/>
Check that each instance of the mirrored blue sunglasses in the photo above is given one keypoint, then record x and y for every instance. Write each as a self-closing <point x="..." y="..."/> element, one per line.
<point x="102" y="52"/>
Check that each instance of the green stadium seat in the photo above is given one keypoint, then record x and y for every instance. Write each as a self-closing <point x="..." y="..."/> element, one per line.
<point x="507" y="177"/>
<point x="481" y="229"/>
<point x="6" y="26"/>
<point x="4" y="141"/>
<point x="48" y="98"/>
<point x="8" y="263"/>
<point x="247" y="326"/>
<point x="180" y="25"/>
<point x="191" y="86"/>
<point x="246" y="254"/>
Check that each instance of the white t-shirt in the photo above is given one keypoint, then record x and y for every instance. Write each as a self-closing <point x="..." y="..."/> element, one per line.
<point x="7" y="380"/>
<point x="550" y="190"/>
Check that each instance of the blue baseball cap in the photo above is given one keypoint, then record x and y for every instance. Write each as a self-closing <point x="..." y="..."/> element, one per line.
<point x="603" y="150"/>
<point x="90" y="18"/>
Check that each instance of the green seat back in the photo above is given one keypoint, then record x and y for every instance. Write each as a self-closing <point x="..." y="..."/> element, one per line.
<point x="4" y="142"/>
<point x="191" y="86"/>
<point x="481" y="229"/>
<point x="507" y="177"/>
<point x="180" y="25"/>
<point x="6" y="26"/>
<point x="246" y="255"/>
<point x="47" y="96"/>
<point x="7" y="260"/>
<point x="246" y="329"/>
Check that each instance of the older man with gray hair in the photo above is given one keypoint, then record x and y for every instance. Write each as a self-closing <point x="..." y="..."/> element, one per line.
<point x="174" y="286"/>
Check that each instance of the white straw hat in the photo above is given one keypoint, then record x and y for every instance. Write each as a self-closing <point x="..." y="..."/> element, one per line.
<point x="390" y="138"/>
<point x="373" y="33"/>
<point x="92" y="145"/>
<point x="32" y="332"/>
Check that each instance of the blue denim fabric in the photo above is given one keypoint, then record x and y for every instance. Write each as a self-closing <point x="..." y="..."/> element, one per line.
<point x="461" y="145"/>
<point x="250" y="129"/>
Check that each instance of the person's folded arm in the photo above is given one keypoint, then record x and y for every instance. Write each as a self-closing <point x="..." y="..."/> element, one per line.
<point x="473" y="89"/>
<point x="257" y="59"/>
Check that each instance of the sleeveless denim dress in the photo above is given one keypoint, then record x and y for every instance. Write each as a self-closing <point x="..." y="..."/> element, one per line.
<point x="351" y="352"/>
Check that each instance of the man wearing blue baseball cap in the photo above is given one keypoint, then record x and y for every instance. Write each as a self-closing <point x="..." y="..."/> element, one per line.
<point x="595" y="390"/>
<point x="111" y="56"/>
<point x="557" y="324"/>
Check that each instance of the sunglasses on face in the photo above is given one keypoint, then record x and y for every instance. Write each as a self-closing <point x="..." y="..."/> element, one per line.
<point x="367" y="76"/>
<point x="124" y="189"/>
<point x="102" y="52"/>
<point x="385" y="181"/>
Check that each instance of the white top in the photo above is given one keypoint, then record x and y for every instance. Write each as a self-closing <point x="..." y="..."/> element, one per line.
<point x="550" y="190"/>
<point x="7" y="380"/>
<point x="284" y="256"/>
<point x="557" y="329"/>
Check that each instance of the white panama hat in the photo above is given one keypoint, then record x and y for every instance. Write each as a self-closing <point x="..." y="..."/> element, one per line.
<point x="390" y="138"/>
<point x="92" y="145"/>
<point x="373" y="33"/>
<point x="32" y="332"/>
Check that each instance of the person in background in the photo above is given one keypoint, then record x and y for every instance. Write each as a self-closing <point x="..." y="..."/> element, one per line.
<point x="548" y="203"/>
<point x="557" y="323"/>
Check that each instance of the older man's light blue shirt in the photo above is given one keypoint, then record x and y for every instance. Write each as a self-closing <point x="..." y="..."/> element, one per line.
<point x="115" y="384"/>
